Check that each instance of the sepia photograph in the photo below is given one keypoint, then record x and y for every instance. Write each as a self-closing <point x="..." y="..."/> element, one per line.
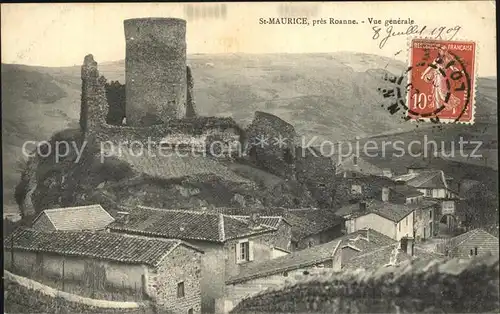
<point x="246" y="157"/>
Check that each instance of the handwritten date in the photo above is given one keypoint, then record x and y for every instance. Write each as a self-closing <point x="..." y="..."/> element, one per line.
<point x="442" y="32"/>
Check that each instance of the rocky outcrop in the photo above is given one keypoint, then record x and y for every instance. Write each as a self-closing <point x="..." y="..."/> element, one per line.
<point x="421" y="286"/>
<point x="271" y="144"/>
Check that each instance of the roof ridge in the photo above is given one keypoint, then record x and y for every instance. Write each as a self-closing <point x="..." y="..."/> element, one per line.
<point x="188" y="211"/>
<point x="72" y="207"/>
<point x="467" y="236"/>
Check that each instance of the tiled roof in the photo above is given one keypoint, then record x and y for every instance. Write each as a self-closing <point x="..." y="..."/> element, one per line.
<point x="90" y="217"/>
<point x="391" y="211"/>
<point x="484" y="241"/>
<point x="406" y="190"/>
<point x="427" y="179"/>
<point x="381" y="181"/>
<point x="99" y="245"/>
<point x="190" y="225"/>
<point x="380" y="257"/>
<point x="170" y="166"/>
<point x="311" y="256"/>
<point x="306" y="222"/>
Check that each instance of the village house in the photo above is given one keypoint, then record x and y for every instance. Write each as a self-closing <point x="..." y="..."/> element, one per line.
<point x="434" y="185"/>
<point x="90" y="217"/>
<point x="271" y="273"/>
<point x="371" y="186"/>
<point x="473" y="243"/>
<point x="310" y="226"/>
<point x="167" y="272"/>
<point x="229" y="242"/>
<point x="393" y="220"/>
<point x="391" y="254"/>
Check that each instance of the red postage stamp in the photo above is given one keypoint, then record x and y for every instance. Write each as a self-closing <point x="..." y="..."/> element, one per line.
<point x="441" y="80"/>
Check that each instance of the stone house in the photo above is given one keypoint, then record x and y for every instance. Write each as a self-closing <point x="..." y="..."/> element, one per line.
<point x="435" y="185"/>
<point x="166" y="271"/>
<point x="393" y="220"/>
<point x="272" y="273"/>
<point x="229" y="242"/>
<point x="90" y="217"/>
<point x="469" y="244"/>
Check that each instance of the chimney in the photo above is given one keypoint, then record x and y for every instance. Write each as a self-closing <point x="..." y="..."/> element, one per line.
<point x="362" y="207"/>
<point x="253" y="221"/>
<point x="385" y="194"/>
<point x="365" y="232"/>
<point x="406" y="245"/>
<point x="123" y="217"/>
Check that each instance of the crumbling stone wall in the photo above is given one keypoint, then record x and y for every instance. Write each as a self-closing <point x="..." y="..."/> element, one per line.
<point x="317" y="173"/>
<point x="190" y="104"/>
<point x="419" y="286"/>
<point x="271" y="144"/>
<point x="94" y="106"/>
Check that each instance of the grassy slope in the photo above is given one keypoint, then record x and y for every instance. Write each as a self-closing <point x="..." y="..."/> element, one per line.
<point x="332" y="96"/>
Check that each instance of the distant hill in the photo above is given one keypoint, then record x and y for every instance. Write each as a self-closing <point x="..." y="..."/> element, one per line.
<point x="331" y="96"/>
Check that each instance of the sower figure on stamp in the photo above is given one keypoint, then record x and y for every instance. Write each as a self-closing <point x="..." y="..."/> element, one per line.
<point x="433" y="75"/>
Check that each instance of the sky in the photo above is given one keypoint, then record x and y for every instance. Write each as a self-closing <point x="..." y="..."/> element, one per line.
<point x="61" y="34"/>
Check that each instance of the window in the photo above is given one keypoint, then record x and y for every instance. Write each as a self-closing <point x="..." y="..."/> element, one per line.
<point x="430" y="229"/>
<point x="180" y="289"/>
<point x="428" y="192"/>
<point x="244" y="251"/>
<point x="285" y="274"/>
<point x="305" y="272"/>
<point x="355" y="160"/>
<point x="475" y="250"/>
<point x="430" y="214"/>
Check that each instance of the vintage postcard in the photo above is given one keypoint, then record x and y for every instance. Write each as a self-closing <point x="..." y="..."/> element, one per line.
<point x="288" y="157"/>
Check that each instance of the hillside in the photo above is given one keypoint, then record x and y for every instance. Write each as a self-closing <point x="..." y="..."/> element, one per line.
<point x="331" y="96"/>
<point x="168" y="182"/>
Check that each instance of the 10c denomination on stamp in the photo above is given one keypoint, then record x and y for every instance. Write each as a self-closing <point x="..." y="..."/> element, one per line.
<point x="441" y="81"/>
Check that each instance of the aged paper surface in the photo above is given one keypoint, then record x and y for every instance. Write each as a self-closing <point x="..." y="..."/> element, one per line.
<point x="250" y="157"/>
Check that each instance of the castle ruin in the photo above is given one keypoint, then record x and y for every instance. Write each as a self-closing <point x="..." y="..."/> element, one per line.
<point x="158" y="92"/>
<point x="155" y="70"/>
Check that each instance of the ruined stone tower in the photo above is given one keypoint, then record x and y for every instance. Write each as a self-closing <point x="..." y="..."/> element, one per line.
<point x="155" y="69"/>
